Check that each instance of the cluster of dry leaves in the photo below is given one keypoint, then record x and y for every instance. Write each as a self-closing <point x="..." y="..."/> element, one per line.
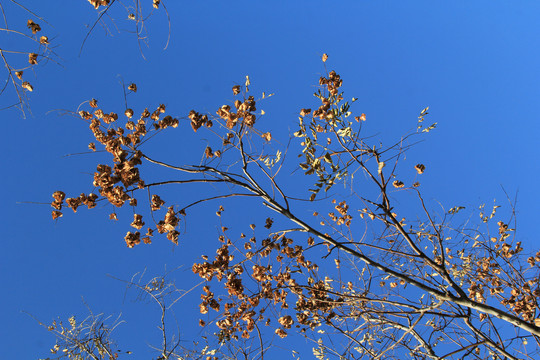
<point x="463" y="285"/>
<point x="246" y="308"/>
<point x="41" y="49"/>
<point x="117" y="184"/>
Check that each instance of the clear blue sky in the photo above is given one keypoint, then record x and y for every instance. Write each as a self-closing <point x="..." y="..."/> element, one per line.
<point x="475" y="64"/>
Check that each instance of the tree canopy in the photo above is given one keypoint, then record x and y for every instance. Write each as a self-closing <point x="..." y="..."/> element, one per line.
<point x="309" y="226"/>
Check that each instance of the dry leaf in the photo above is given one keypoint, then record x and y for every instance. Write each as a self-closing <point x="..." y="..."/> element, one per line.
<point x="268" y="223"/>
<point x="27" y="86"/>
<point x="267" y="136"/>
<point x="32" y="58"/>
<point x="33" y="26"/>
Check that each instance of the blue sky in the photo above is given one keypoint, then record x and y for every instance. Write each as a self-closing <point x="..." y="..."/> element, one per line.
<point x="475" y="64"/>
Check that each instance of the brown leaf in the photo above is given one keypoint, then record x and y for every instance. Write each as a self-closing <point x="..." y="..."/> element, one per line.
<point x="97" y="3"/>
<point x="173" y="236"/>
<point x="59" y="196"/>
<point x="32" y="58"/>
<point x="324" y="57"/>
<point x="132" y="87"/>
<point x="33" y="26"/>
<point x="269" y="223"/>
<point x="26" y="85"/>
<point x="362" y="117"/>
<point x="156" y="203"/>
<point x="57" y="205"/>
<point x="267" y="136"/>
<point x="137" y="221"/>
<point x="420" y="168"/>
<point x="132" y="239"/>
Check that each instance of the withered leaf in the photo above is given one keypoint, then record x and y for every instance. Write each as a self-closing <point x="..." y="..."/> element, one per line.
<point x="33" y="26"/>
<point x="267" y="136"/>
<point x="137" y="221"/>
<point x="26" y="85"/>
<point x="32" y="58"/>
<point x="268" y="223"/>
